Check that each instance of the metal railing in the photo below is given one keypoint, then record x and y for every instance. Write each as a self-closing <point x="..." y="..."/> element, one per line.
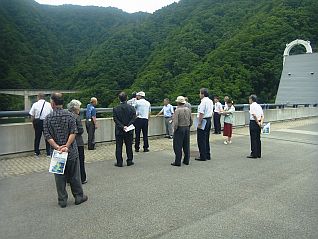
<point x="238" y="107"/>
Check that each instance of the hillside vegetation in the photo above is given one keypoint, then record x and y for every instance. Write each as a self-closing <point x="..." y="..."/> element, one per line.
<point x="233" y="47"/>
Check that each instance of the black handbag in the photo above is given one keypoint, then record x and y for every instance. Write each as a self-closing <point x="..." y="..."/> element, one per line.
<point x="38" y="120"/>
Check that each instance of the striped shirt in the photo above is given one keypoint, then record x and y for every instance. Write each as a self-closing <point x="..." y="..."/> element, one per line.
<point x="58" y="126"/>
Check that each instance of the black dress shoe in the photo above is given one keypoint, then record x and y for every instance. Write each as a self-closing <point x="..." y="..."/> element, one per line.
<point x="251" y="157"/>
<point x="199" y="159"/>
<point x="130" y="163"/>
<point x="146" y="150"/>
<point x="78" y="201"/>
<point x="118" y="165"/>
<point x="173" y="164"/>
<point x="185" y="163"/>
<point x="62" y="204"/>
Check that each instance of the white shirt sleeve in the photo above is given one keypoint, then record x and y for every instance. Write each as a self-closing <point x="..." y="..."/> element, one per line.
<point x="32" y="113"/>
<point x="256" y="109"/>
<point x="201" y="108"/>
<point x="261" y="111"/>
<point x="50" y="107"/>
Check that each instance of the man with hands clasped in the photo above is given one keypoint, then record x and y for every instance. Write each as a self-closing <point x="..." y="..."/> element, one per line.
<point x="124" y="116"/>
<point x="256" y="122"/>
<point x="60" y="131"/>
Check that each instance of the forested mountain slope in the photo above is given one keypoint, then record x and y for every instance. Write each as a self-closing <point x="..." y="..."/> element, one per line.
<point x="233" y="47"/>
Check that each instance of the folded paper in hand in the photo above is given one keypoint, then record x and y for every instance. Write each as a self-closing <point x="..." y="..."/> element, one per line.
<point x="129" y="128"/>
<point x="58" y="162"/>
<point x="203" y="123"/>
<point x="267" y="128"/>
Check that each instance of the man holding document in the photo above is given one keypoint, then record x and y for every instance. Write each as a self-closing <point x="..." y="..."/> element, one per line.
<point x="124" y="116"/>
<point x="203" y="124"/>
<point x="60" y="130"/>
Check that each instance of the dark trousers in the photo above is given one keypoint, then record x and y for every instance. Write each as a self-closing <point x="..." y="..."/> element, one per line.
<point x="181" y="140"/>
<point x="141" y="125"/>
<point x="90" y="128"/>
<point x="203" y="139"/>
<point x="255" y="137"/>
<point x="169" y="130"/>
<point x="38" y="131"/>
<point x="71" y="175"/>
<point x="120" y="139"/>
<point x="217" y="123"/>
<point x="81" y="156"/>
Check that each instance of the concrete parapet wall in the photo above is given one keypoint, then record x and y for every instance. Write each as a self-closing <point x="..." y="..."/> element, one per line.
<point x="17" y="138"/>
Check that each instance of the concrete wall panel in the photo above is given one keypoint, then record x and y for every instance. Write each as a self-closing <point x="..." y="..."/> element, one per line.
<point x="16" y="138"/>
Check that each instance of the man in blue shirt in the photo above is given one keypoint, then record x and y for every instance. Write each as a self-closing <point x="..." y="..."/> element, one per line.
<point x="167" y="111"/>
<point x="91" y="123"/>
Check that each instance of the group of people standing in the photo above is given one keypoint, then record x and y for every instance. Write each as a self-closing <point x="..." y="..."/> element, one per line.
<point x="63" y="131"/>
<point x="178" y="121"/>
<point x="205" y="115"/>
<point x="129" y="116"/>
<point x="136" y="112"/>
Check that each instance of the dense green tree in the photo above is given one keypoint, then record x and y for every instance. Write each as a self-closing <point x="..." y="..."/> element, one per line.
<point x="232" y="47"/>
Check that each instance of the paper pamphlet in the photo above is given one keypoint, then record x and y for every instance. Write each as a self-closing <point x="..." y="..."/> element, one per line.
<point x="267" y="128"/>
<point x="203" y="124"/>
<point x="130" y="127"/>
<point x="58" y="162"/>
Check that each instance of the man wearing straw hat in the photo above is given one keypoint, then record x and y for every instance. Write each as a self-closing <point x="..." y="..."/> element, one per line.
<point x="182" y="122"/>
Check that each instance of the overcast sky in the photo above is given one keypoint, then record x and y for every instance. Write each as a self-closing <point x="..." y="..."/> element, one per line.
<point x="126" y="5"/>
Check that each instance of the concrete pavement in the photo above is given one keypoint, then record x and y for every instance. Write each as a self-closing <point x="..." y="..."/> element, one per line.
<point x="228" y="197"/>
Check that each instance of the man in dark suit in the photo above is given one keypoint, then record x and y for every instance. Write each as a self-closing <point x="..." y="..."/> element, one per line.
<point x="124" y="116"/>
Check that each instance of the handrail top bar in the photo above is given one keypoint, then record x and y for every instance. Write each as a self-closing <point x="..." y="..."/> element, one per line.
<point x="24" y="113"/>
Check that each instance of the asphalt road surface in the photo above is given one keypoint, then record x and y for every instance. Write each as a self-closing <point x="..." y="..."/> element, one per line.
<point x="230" y="196"/>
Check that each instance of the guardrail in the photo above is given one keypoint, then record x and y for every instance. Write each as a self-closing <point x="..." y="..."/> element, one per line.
<point x="18" y="136"/>
<point x="242" y="107"/>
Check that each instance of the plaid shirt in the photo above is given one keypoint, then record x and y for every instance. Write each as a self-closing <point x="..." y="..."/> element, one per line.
<point x="58" y="126"/>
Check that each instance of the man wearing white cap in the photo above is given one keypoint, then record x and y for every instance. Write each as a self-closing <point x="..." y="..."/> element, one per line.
<point x="143" y="109"/>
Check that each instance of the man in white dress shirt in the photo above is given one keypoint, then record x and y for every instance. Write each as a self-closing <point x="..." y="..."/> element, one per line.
<point x="256" y="121"/>
<point x="217" y="115"/>
<point x="133" y="99"/>
<point x="38" y="112"/>
<point x="205" y="111"/>
<point x="143" y="109"/>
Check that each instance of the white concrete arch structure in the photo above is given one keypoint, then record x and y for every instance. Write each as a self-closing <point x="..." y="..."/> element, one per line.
<point x="299" y="79"/>
<point x="297" y="42"/>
